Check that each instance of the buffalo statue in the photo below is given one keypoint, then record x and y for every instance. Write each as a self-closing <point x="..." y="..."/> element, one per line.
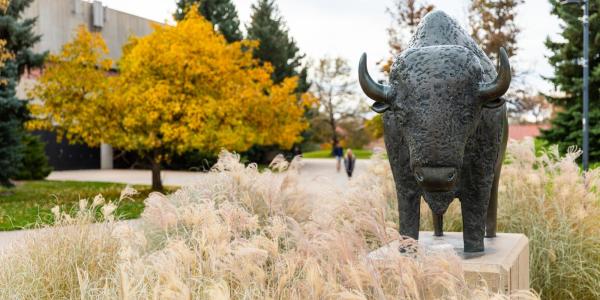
<point x="445" y="127"/>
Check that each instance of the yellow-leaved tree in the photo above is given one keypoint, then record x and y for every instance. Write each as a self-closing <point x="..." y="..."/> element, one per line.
<point x="4" y="4"/>
<point x="73" y="90"/>
<point x="179" y="88"/>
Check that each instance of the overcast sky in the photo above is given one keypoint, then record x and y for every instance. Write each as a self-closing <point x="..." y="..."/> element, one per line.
<point x="349" y="27"/>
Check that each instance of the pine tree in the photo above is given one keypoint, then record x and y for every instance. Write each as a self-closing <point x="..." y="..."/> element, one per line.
<point x="20" y="38"/>
<point x="11" y="112"/>
<point x="567" y="129"/>
<point x="221" y="13"/>
<point x="276" y="46"/>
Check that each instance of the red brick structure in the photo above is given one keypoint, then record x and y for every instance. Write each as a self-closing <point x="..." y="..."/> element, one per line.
<point x="519" y="132"/>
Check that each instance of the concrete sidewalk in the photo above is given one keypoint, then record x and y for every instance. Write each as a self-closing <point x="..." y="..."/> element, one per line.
<point x="313" y="170"/>
<point x="141" y="177"/>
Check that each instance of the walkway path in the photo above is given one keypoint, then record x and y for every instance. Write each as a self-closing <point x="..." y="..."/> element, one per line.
<point x="173" y="178"/>
<point x="313" y="170"/>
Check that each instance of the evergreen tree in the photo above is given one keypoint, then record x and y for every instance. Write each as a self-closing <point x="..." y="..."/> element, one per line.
<point x="276" y="46"/>
<point x="567" y="129"/>
<point x="11" y="111"/>
<point x="221" y="13"/>
<point x="19" y="38"/>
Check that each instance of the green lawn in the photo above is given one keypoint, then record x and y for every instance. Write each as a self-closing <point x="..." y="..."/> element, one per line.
<point x="30" y="202"/>
<point x="360" y="154"/>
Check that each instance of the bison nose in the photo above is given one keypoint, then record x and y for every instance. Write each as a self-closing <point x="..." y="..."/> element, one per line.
<point x="436" y="179"/>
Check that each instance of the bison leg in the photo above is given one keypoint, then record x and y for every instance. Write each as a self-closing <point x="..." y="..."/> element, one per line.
<point x="473" y="215"/>
<point x="408" y="191"/>
<point x="492" y="211"/>
<point x="409" y="206"/>
<point x="438" y="224"/>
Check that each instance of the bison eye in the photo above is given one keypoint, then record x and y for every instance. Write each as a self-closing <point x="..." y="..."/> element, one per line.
<point x="466" y="118"/>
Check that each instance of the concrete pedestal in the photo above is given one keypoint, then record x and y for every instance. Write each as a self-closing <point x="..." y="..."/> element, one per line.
<point x="504" y="265"/>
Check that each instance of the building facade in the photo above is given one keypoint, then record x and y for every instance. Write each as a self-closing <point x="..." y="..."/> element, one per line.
<point x="57" y="23"/>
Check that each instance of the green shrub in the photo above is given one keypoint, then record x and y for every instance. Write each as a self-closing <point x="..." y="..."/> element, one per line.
<point x="193" y="160"/>
<point x="34" y="165"/>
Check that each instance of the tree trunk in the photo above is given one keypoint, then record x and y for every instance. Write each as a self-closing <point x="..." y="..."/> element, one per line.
<point x="334" y="136"/>
<point x="332" y="122"/>
<point x="156" y="180"/>
<point x="335" y="139"/>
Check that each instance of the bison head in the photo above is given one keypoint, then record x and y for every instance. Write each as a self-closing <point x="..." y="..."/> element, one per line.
<point x="435" y="99"/>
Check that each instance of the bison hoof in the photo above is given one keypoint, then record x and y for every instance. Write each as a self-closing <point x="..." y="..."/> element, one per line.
<point x="473" y="248"/>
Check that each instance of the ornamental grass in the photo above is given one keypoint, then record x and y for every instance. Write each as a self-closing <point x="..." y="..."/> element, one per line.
<point x="245" y="234"/>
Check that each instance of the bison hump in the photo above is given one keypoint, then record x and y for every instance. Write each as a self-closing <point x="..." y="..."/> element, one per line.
<point x="437" y="28"/>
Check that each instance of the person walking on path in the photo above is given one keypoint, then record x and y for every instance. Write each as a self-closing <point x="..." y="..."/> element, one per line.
<point x="338" y="152"/>
<point x="349" y="163"/>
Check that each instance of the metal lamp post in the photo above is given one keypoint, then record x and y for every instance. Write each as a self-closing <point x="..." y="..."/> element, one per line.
<point x="586" y="78"/>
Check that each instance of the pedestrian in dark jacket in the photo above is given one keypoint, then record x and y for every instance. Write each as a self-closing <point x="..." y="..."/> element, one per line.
<point x="338" y="152"/>
<point x="349" y="163"/>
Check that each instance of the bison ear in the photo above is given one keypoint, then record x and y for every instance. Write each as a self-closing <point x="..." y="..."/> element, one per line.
<point x="495" y="104"/>
<point x="380" y="107"/>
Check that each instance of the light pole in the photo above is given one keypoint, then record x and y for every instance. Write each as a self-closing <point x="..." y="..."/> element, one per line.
<point x="586" y="78"/>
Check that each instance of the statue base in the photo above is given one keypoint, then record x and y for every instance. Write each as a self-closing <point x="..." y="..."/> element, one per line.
<point x="504" y="265"/>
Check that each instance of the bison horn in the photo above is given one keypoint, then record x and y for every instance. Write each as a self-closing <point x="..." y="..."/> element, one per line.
<point x="497" y="88"/>
<point x="378" y="92"/>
